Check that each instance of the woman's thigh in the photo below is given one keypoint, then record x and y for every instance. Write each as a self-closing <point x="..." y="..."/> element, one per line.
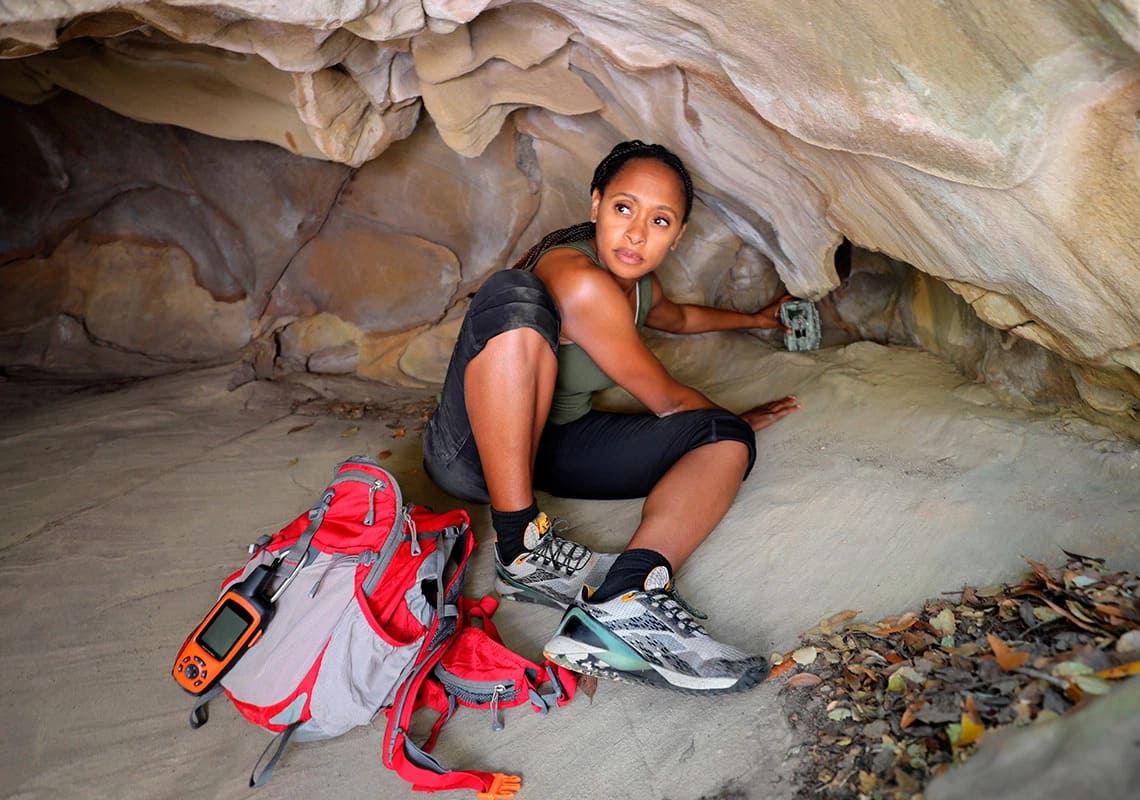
<point x="609" y="456"/>
<point x="507" y="300"/>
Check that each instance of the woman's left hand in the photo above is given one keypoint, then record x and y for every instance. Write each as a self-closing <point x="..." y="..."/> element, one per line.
<point x="764" y="415"/>
<point x="769" y="316"/>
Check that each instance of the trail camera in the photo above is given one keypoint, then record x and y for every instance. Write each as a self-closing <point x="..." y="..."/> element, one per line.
<point x="803" y="319"/>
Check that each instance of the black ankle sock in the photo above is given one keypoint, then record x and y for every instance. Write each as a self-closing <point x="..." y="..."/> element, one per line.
<point x="509" y="529"/>
<point x="628" y="573"/>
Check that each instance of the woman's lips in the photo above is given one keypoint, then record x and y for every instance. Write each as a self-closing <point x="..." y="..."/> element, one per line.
<point x="628" y="257"/>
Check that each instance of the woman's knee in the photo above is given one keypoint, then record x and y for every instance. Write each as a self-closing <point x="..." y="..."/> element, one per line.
<point x="510" y="300"/>
<point x="724" y="426"/>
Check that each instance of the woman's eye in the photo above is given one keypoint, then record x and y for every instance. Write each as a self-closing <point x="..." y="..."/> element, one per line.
<point x="621" y="208"/>
<point x="661" y="222"/>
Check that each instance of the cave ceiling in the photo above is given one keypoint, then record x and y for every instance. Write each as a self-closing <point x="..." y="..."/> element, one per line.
<point x="992" y="145"/>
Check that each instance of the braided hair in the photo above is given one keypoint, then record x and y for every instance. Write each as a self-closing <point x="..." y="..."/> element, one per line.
<point x="623" y="153"/>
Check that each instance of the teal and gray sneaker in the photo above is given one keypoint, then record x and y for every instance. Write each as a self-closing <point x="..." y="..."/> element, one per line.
<point x="651" y="636"/>
<point x="551" y="570"/>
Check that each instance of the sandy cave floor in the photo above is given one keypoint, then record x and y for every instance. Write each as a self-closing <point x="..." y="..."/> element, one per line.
<point x="125" y="507"/>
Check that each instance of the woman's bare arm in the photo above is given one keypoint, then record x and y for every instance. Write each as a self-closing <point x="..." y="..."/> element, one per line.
<point x="666" y="315"/>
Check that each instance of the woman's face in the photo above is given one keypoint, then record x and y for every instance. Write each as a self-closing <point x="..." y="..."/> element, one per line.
<point x="638" y="217"/>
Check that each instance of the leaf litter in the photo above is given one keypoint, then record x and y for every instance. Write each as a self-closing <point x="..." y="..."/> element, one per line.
<point x="401" y="417"/>
<point x="887" y="706"/>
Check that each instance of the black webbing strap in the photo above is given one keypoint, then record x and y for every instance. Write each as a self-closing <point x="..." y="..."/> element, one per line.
<point x="200" y="713"/>
<point x="277" y="745"/>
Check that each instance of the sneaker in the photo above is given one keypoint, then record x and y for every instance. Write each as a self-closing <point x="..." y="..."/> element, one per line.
<point x="552" y="570"/>
<point x="651" y="636"/>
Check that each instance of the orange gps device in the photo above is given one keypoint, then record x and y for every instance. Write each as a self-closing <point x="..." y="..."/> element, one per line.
<point x="234" y="625"/>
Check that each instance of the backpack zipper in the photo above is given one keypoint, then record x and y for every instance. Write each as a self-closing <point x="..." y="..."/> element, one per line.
<point x="377" y="485"/>
<point x="479" y="693"/>
<point x="496" y="717"/>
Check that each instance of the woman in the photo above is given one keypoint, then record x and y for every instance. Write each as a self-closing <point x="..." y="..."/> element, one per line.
<point x="515" y="414"/>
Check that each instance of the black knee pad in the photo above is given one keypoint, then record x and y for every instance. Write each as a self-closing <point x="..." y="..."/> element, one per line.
<point x="511" y="299"/>
<point x="726" y="426"/>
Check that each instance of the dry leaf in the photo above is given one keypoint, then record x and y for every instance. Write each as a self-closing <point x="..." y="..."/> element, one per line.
<point x="296" y="428"/>
<point x="350" y="431"/>
<point x="944" y="622"/>
<point x="1007" y="659"/>
<point x="908" y="715"/>
<point x="294" y="461"/>
<point x="971" y="730"/>
<point x="1090" y="684"/>
<point x="805" y="655"/>
<point x="588" y="684"/>
<point x="867" y="782"/>
<point x="786" y="665"/>
<point x="803" y="680"/>
<point x="398" y="433"/>
<point x="895" y="624"/>
<point x="383" y="454"/>
<point x="1123" y="671"/>
<point x="832" y="623"/>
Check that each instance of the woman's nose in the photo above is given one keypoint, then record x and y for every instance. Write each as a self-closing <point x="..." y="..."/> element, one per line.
<point x="635" y="233"/>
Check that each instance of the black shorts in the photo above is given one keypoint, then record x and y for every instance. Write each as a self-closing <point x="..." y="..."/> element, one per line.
<point x="601" y="456"/>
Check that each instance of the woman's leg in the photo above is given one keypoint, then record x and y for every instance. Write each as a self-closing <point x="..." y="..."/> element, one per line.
<point x="690" y="500"/>
<point x="506" y="348"/>
<point x="635" y="626"/>
<point x="507" y="390"/>
<point x="481" y="442"/>
<point x="688" y="466"/>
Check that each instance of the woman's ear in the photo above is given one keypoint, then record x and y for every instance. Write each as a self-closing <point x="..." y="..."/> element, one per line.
<point x="595" y="204"/>
<point x="680" y="233"/>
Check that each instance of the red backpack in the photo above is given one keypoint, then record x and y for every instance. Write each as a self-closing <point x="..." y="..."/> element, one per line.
<point x="365" y="614"/>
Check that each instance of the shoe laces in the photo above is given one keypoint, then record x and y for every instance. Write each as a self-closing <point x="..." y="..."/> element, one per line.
<point x="675" y="607"/>
<point x="564" y="554"/>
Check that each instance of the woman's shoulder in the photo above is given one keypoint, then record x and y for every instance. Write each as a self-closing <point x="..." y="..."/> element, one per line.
<point x="568" y="261"/>
<point x="571" y="275"/>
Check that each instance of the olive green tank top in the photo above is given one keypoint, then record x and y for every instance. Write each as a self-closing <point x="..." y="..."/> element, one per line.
<point x="578" y="375"/>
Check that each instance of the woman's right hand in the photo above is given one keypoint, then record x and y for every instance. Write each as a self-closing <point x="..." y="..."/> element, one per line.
<point x="764" y="415"/>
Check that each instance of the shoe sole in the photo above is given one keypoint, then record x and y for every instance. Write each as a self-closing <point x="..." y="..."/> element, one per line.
<point x="588" y="659"/>
<point x="509" y="590"/>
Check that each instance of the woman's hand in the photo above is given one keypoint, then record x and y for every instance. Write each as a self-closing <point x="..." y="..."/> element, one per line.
<point x="769" y="316"/>
<point x="764" y="415"/>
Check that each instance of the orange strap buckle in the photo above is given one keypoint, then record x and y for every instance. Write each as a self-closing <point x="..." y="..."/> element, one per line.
<point x="503" y="787"/>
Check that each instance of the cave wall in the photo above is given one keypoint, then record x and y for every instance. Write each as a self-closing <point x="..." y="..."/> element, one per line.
<point x="365" y="163"/>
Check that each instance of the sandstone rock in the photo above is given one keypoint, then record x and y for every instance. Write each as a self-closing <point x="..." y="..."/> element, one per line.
<point x="115" y="309"/>
<point x="991" y="147"/>
<point x="1028" y="374"/>
<point x="560" y="154"/>
<point x="289" y="47"/>
<point x="1088" y="754"/>
<point x="524" y="36"/>
<point x="324" y="337"/>
<point x="470" y="110"/>
<point x="240" y="210"/>
<point x="391" y="20"/>
<point x="751" y="283"/>
<point x="1092" y="389"/>
<point x="426" y="357"/>
<point x="457" y="10"/>
<point x="475" y="207"/>
<point x="380" y="358"/>
<point x="343" y="122"/>
<point x="381" y="282"/>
